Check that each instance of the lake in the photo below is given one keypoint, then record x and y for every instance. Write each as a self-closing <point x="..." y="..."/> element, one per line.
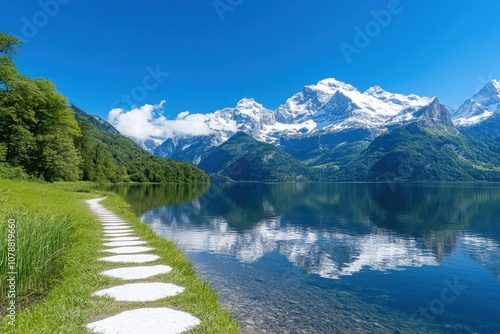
<point x="339" y="258"/>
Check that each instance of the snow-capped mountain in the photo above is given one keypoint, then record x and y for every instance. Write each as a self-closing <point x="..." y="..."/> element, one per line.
<point x="251" y="117"/>
<point x="303" y="105"/>
<point x="479" y="116"/>
<point x="149" y="144"/>
<point x="480" y="107"/>
<point x="330" y="106"/>
<point x="373" y="109"/>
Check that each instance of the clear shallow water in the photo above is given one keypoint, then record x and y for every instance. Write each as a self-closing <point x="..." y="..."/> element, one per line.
<point x="341" y="258"/>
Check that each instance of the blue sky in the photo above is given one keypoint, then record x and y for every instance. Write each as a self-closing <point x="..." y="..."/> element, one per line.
<point x="98" y="51"/>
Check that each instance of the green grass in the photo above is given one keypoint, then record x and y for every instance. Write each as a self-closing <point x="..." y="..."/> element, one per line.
<point x="57" y="296"/>
<point x="40" y="240"/>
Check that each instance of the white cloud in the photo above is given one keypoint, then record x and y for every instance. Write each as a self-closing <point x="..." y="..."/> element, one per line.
<point x="148" y="121"/>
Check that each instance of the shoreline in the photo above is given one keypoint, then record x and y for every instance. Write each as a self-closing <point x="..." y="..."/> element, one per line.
<point x="68" y="303"/>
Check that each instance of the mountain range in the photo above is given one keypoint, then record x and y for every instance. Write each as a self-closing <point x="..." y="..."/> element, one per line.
<point x="337" y="133"/>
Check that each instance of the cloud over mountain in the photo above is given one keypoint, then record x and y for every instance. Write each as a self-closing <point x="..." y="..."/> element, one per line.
<point x="148" y="121"/>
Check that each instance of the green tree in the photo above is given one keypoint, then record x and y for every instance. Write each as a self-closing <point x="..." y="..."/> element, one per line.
<point x="37" y="126"/>
<point x="8" y="70"/>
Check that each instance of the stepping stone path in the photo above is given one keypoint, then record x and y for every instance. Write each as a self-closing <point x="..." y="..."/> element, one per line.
<point x="140" y="292"/>
<point x="129" y="249"/>
<point x="133" y="273"/>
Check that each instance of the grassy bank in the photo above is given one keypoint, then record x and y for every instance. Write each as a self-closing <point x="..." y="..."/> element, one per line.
<point x="58" y="244"/>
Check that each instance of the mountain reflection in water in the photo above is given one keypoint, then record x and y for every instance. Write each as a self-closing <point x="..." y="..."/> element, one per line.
<point x="339" y="258"/>
<point x="337" y="229"/>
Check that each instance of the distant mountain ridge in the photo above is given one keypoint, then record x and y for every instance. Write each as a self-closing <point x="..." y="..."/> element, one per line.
<point x="480" y="115"/>
<point x="330" y="106"/>
<point x="330" y="123"/>
<point x="242" y="158"/>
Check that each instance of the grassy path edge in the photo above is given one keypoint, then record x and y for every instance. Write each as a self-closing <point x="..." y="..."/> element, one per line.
<point x="68" y="306"/>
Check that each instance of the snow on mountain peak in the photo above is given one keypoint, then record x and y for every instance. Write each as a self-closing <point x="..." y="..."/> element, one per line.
<point x="496" y="84"/>
<point x="330" y="85"/>
<point x="248" y="102"/>
<point x="373" y="109"/>
<point x="328" y="106"/>
<point x="249" y="116"/>
<point x="305" y="104"/>
<point x="480" y="107"/>
<point x="374" y="91"/>
<point x="492" y="88"/>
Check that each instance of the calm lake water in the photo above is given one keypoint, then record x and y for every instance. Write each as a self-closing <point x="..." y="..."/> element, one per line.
<point x="340" y="258"/>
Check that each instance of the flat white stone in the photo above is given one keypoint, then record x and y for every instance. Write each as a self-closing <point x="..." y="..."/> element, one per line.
<point x="124" y="243"/>
<point x="113" y="228"/>
<point x="146" y="320"/>
<point x="115" y="224"/>
<point x="140" y="292"/>
<point x="112" y="220"/>
<point x="122" y="239"/>
<point x="125" y="230"/>
<point x="130" y="273"/>
<point x="128" y="250"/>
<point x="118" y="234"/>
<point x="134" y="258"/>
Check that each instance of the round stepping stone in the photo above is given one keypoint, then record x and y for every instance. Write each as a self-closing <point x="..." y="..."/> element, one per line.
<point x="123" y="230"/>
<point x="124" y="243"/>
<point x="113" y="228"/>
<point x="146" y="320"/>
<point x="115" y="232"/>
<point x="118" y="234"/>
<point x="140" y="292"/>
<point x="130" y="273"/>
<point x="122" y="239"/>
<point x="134" y="258"/>
<point x="113" y="221"/>
<point x="119" y="231"/>
<point x="128" y="250"/>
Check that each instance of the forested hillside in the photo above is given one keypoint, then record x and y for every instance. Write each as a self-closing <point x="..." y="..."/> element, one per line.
<point x="418" y="152"/>
<point x="242" y="158"/>
<point x="42" y="137"/>
<point x="109" y="156"/>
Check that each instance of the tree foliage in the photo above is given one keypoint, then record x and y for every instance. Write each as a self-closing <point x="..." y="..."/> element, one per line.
<point x="110" y="157"/>
<point x="40" y="135"/>
<point x="37" y="126"/>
